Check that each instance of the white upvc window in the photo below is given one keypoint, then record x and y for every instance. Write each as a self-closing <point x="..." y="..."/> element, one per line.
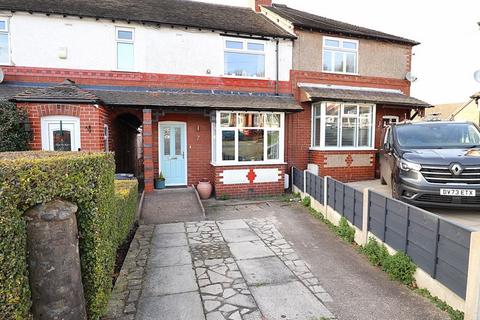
<point x="340" y="55"/>
<point x="125" y="39"/>
<point x="244" y="58"/>
<point x="4" y="41"/>
<point x="338" y="125"/>
<point x="248" y="137"/>
<point x="60" y="133"/>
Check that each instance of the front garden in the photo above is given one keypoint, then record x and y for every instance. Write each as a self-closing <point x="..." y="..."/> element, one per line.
<point x="106" y="213"/>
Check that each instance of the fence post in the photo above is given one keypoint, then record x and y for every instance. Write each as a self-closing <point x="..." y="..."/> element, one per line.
<point x="472" y="299"/>
<point x="366" y="205"/>
<point x="293" y="177"/>
<point x="304" y="181"/>
<point x="325" y="196"/>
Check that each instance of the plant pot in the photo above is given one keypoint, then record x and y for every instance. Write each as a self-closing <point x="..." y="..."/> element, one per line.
<point x="159" y="184"/>
<point x="204" y="189"/>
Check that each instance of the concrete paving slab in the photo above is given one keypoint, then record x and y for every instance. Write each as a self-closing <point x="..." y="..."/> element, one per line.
<point x="183" y="306"/>
<point x="250" y="250"/>
<point x="171" y="205"/>
<point x="170" y="228"/>
<point x="172" y="256"/>
<point x="165" y="240"/>
<point x="169" y="280"/>
<point x="265" y="271"/>
<point x="232" y="224"/>
<point x="239" y="235"/>
<point x="290" y="301"/>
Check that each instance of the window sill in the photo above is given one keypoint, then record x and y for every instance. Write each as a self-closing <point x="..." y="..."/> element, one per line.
<point x="342" y="73"/>
<point x="244" y="77"/>
<point x="243" y="164"/>
<point x="341" y="149"/>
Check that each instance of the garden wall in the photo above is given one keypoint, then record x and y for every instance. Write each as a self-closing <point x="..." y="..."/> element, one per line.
<point x="86" y="179"/>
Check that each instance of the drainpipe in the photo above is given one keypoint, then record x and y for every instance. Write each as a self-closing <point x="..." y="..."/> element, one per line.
<point x="277" y="67"/>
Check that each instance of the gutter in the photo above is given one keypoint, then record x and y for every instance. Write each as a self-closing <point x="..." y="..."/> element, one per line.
<point x="277" y="66"/>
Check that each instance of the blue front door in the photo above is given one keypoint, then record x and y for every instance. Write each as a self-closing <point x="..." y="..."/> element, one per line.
<point x="172" y="153"/>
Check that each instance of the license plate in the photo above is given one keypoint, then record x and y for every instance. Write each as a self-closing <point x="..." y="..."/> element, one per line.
<point x="458" y="192"/>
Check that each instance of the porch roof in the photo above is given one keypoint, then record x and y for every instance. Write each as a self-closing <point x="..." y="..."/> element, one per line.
<point x="69" y="92"/>
<point x="378" y="96"/>
<point x="189" y="99"/>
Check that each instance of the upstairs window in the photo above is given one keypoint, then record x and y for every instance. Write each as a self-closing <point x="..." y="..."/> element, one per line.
<point x="340" y="55"/>
<point x="4" y="42"/>
<point x="244" y="58"/>
<point x="125" y="38"/>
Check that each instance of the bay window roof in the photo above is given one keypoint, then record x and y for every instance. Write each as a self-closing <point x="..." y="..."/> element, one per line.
<point x="377" y="96"/>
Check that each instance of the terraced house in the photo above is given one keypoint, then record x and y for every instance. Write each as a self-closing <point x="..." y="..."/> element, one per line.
<point x="195" y="90"/>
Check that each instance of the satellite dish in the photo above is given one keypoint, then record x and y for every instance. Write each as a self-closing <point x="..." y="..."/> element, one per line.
<point x="410" y="77"/>
<point x="2" y="75"/>
<point x="476" y="75"/>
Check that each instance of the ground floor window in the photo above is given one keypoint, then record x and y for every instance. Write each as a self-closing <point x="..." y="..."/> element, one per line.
<point x="248" y="137"/>
<point x="60" y="133"/>
<point x="338" y="125"/>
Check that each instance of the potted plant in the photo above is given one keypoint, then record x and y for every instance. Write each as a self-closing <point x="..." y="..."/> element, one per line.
<point x="204" y="189"/>
<point x="159" y="181"/>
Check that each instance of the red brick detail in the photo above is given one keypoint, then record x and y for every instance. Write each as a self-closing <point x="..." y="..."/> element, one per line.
<point x="249" y="190"/>
<point x="92" y="119"/>
<point x="251" y="176"/>
<point x="348" y="172"/>
<point x="159" y="80"/>
<point x="297" y="137"/>
<point x="148" y="169"/>
<point x="258" y="3"/>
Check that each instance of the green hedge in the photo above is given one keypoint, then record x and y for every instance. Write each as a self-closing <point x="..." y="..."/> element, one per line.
<point x="87" y="179"/>
<point x="126" y="200"/>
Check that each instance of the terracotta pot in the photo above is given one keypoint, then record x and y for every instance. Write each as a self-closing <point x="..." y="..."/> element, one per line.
<point x="204" y="189"/>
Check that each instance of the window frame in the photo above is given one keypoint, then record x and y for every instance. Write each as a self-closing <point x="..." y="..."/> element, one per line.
<point x="44" y="130"/>
<point x="217" y="159"/>
<point x="323" y="116"/>
<point x="245" y="50"/>
<point x="124" y="41"/>
<point x="344" y="51"/>
<point x="9" y="41"/>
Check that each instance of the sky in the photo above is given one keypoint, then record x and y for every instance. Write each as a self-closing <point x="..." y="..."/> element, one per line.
<point x="449" y="52"/>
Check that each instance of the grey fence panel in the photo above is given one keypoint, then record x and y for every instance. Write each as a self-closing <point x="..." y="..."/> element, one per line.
<point x="358" y="209"/>
<point x="349" y="204"/>
<point x="331" y="192"/>
<point x="452" y="256"/>
<point x="315" y="187"/>
<point x="298" y="178"/>
<point x="439" y="247"/>
<point x="339" y="196"/>
<point x="377" y="215"/>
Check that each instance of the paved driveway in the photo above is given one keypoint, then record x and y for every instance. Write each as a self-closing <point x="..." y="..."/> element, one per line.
<point x="466" y="217"/>
<point x="256" y="260"/>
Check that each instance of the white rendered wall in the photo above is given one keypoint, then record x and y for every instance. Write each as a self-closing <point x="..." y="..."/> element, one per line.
<point x="36" y="41"/>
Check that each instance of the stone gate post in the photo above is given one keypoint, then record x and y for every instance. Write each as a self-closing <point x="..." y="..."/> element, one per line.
<point x="54" y="262"/>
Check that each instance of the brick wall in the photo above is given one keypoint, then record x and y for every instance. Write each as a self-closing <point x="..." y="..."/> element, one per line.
<point x="92" y="119"/>
<point x="345" y="165"/>
<point x="251" y="189"/>
<point x="118" y="78"/>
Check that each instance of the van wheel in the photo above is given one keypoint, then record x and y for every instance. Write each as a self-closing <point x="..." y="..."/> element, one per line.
<point x="382" y="181"/>
<point x="394" y="189"/>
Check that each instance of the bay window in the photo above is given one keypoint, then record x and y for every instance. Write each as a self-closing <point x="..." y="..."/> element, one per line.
<point x="343" y="125"/>
<point x="340" y="55"/>
<point x="248" y="137"/>
<point x="244" y="58"/>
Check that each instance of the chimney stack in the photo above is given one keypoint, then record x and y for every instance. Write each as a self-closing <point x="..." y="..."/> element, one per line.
<point x="257" y="3"/>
